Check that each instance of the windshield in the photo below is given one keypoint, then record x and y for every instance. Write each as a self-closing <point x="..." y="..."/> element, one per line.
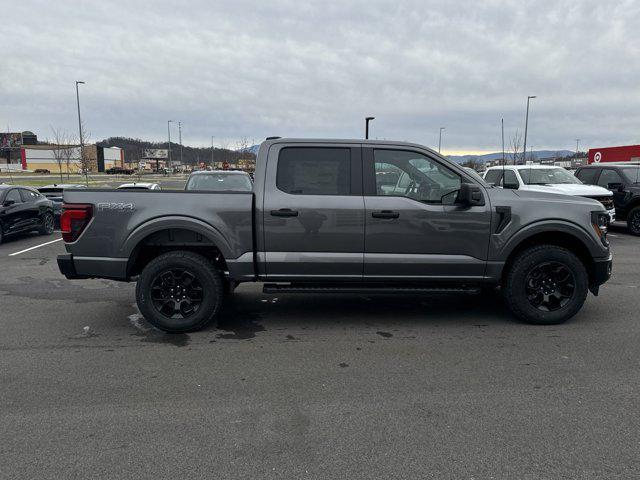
<point x="632" y="174"/>
<point x="546" y="176"/>
<point x="220" y="182"/>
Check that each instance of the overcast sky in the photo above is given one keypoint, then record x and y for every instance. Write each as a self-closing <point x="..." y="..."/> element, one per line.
<point x="234" y="68"/>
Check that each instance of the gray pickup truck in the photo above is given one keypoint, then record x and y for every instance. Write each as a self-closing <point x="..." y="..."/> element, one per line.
<point x="340" y="216"/>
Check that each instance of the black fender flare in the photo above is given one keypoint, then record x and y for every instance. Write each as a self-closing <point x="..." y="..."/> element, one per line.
<point x="176" y="222"/>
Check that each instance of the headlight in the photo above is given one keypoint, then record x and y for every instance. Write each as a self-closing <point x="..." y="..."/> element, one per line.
<point x="600" y="223"/>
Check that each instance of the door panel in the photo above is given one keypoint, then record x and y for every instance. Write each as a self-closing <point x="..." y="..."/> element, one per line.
<point x="427" y="239"/>
<point x="31" y="208"/>
<point x="308" y="234"/>
<point x="15" y="216"/>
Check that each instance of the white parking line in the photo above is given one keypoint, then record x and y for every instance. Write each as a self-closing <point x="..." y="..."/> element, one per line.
<point x="33" y="248"/>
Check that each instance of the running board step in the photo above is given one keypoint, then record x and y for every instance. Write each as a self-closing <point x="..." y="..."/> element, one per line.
<point x="364" y="289"/>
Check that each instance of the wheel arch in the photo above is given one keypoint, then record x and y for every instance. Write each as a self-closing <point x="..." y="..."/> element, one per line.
<point x="157" y="237"/>
<point x="571" y="238"/>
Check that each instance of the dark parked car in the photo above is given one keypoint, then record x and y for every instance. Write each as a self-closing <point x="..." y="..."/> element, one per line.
<point x="624" y="182"/>
<point x="23" y="209"/>
<point x="119" y="171"/>
<point x="54" y="193"/>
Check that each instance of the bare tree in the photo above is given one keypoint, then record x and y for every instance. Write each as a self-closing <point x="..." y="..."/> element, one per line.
<point x="85" y="161"/>
<point x="62" y="148"/>
<point x="67" y="153"/>
<point x="515" y="145"/>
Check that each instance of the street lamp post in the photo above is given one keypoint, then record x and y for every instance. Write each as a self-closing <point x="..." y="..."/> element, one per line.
<point x="180" y="139"/>
<point x="169" y="137"/>
<point x="526" y="125"/>
<point x="440" y="139"/>
<point x="366" y="126"/>
<point x="82" y="163"/>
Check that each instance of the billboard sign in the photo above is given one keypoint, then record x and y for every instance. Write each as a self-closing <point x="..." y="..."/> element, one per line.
<point x="156" y="153"/>
<point x="10" y="140"/>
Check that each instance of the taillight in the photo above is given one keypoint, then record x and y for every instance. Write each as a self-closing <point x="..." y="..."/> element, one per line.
<point x="75" y="217"/>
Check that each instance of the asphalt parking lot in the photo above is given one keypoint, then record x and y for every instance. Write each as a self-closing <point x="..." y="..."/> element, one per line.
<point x="336" y="386"/>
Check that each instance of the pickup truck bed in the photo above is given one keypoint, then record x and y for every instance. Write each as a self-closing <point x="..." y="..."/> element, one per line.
<point x="121" y="220"/>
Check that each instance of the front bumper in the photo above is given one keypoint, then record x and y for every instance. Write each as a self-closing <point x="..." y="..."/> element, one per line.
<point x="602" y="268"/>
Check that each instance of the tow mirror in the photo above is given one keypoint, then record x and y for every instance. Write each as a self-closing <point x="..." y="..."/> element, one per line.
<point x="8" y="203"/>
<point x="615" y="186"/>
<point x="470" y="195"/>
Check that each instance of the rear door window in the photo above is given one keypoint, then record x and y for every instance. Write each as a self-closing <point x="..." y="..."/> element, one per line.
<point x="314" y="171"/>
<point x="609" y="176"/>
<point x="28" y="196"/>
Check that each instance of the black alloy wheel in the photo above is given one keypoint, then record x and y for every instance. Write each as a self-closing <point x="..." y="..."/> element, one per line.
<point x="550" y="286"/>
<point x="177" y="293"/>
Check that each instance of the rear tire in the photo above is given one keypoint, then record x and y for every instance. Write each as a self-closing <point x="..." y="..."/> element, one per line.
<point x="179" y="292"/>
<point x="633" y="221"/>
<point x="48" y="224"/>
<point x="546" y="285"/>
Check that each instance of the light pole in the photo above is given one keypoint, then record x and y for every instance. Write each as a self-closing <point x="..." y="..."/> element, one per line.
<point x="526" y="125"/>
<point x="169" y="136"/>
<point x="440" y="139"/>
<point x="82" y="163"/>
<point x="180" y="139"/>
<point x="577" y="146"/>
<point x="366" y="126"/>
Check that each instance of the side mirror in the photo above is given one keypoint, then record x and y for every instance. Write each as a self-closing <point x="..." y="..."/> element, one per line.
<point x="470" y="195"/>
<point x="8" y="203"/>
<point x="615" y="186"/>
<point x="511" y="186"/>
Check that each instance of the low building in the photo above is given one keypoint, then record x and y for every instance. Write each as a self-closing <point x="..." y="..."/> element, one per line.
<point x="66" y="158"/>
<point x="627" y="153"/>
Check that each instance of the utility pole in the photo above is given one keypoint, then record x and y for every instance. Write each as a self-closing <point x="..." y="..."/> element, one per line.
<point x="169" y="136"/>
<point x="83" y="164"/>
<point x="180" y="138"/>
<point x="526" y="125"/>
<point x="440" y="139"/>
<point x="366" y="126"/>
<point x="577" y="146"/>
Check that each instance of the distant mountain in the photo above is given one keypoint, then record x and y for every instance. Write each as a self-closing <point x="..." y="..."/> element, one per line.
<point x="254" y="149"/>
<point x="537" y="154"/>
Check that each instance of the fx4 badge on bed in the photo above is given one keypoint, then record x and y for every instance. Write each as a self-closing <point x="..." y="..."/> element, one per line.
<point x="117" y="207"/>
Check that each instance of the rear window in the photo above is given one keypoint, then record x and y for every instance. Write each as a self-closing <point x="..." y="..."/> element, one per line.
<point x="223" y="182"/>
<point x="314" y="171"/>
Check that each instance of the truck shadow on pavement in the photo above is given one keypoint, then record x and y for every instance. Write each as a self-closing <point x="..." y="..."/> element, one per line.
<point x="247" y="313"/>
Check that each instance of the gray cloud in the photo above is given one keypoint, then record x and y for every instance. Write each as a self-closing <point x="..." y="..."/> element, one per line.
<point x="253" y="68"/>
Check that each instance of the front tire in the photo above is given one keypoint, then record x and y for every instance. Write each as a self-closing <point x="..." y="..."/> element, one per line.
<point x="179" y="292"/>
<point x="546" y="285"/>
<point x="633" y="221"/>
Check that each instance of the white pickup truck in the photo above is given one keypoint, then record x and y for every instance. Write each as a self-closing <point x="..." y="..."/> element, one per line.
<point x="548" y="179"/>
